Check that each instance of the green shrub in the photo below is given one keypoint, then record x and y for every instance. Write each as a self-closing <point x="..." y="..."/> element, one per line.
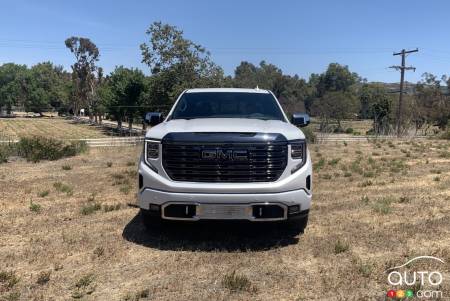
<point x="327" y="177"/>
<point x="36" y="149"/>
<point x="90" y="208"/>
<point x="383" y="205"/>
<point x="43" y="193"/>
<point x="338" y="130"/>
<point x="366" y="183"/>
<point x="235" y="282"/>
<point x="365" y="269"/>
<point x="309" y="134"/>
<point x="6" y="150"/>
<point x="341" y="247"/>
<point x="334" y="162"/>
<point x="108" y="208"/>
<point x="125" y="189"/>
<point x="8" y="279"/>
<point x="445" y="135"/>
<point x="34" y="207"/>
<point x="365" y="199"/>
<point x="61" y="187"/>
<point x="349" y="131"/>
<point x="444" y="154"/>
<point x="319" y="164"/>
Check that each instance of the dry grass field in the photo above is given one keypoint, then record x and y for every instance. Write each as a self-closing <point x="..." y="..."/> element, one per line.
<point x="66" y="231"/>
<point x="59" y="128"/>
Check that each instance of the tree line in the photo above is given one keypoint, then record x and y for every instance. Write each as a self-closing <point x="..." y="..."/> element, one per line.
<point x="177" y="63"/>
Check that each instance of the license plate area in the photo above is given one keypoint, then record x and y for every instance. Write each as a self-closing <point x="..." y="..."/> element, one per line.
<point x="224" y="211"/>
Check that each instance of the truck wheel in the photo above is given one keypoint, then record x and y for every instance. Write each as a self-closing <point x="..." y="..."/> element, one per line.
<point x="298" y="225"/>
<point x="149" y="220"/>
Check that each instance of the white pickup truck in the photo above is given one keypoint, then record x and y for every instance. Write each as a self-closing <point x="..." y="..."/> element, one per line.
<point x="225" y="154"/>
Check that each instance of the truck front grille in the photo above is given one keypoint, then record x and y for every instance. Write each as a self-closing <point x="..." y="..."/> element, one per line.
<point x="224" y="162"/>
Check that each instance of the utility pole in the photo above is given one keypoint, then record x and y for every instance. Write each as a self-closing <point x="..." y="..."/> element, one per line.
<point x="402" y="69"/>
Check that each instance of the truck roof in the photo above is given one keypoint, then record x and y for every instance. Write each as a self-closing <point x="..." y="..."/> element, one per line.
<point x="225" y="90"/>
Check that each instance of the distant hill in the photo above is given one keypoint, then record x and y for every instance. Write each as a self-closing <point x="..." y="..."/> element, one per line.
<point x="410" y="88"/>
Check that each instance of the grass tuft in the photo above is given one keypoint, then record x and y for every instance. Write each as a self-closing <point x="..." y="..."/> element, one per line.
<point x="43" y="277"/>
<point x="341" y="247"/>
<point x="34" y="207"/>
<point x="235" y="282"/>
<point x="84" y="286"/>
<point x="64" y="188"/>
<point x="90" y="208"/>
<point x="382" y="205"/>
<point x="8" y="279"/>
<point x="44" y="193"/>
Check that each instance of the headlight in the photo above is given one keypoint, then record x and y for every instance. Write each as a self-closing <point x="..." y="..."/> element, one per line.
<point x="298" y="153"/>
<point x="298" y="149"/>
<point x="151" y="149"/>
<point x="151" y="153"/>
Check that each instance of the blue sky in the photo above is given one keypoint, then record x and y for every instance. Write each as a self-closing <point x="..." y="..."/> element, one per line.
<point x="301" y="37"/>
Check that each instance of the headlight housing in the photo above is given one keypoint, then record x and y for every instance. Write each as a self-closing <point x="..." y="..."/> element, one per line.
<point x="151" y="149"/>
<point x="151" y="153"/>
<point x="298" y="149"/>
<point x="298" y="153"/>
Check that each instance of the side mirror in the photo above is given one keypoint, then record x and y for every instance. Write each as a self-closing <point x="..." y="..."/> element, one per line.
<point x="300" y="119"/>
<point x="153" y="118"/>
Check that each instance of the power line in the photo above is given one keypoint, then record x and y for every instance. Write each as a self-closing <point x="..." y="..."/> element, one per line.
<point x="402" y="69"/>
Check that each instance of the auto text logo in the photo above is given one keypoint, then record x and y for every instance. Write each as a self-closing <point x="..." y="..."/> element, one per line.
<point x="422" y="283"/>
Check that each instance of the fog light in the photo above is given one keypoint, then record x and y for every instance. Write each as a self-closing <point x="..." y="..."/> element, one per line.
<point x="154" y="207"/>
<point x="294" y="209"/>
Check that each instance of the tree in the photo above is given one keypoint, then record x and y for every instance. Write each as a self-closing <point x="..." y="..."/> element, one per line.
<point x="126" y="87"/>
<point x="290" y="90"/>
<point x="176" y="63"/>
<point x="336" y="105"/>
<point x="11" y="86"/>
<point x="336" y="78"/>
<point x="334" y="95"/>
<point x="431" y="105"/>
<point x="44" y="87"/>
<point x="83" y="71"/>
<point x="376" y="104"/>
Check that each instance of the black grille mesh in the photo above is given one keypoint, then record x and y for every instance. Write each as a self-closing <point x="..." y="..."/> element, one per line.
<point x="265" y="162"/>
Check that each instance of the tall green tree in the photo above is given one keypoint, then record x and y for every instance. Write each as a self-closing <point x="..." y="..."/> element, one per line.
<point x="83" y="72"/>
<point x="376" y="104"/>
<point x="335" y="105"/>
<point x="12" y="80"/>
<point x="44" y="87"/>
<point x="126" y="86"/>
<point x="335" y="95"/>
<point x="292" y="91"/>
<point x="176" y="63"/>
<point x="336" y="78"/>
<point x="431" y="105"/>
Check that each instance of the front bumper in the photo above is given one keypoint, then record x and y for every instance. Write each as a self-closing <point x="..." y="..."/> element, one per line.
<point x="223" y="206"/>
<point x="231" y="201"/>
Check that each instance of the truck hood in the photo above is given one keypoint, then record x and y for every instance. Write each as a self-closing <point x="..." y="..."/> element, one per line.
<point x="225" y="125"/>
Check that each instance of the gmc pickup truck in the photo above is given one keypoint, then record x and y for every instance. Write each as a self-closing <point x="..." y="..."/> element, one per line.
<point x="225" y="154"/>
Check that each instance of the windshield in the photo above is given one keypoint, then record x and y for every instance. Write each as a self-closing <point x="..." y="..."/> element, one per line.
<point x="227" y="105"/>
